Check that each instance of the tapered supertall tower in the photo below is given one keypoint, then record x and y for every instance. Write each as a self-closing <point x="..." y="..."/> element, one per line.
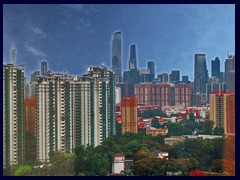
<point x="117" y="55"/>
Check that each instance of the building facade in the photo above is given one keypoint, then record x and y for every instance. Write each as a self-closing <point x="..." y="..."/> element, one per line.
<point x="222" y="111"/>
<point x="117" y="55"/>
<point x="175" y="76"/>
<point x="185" y="79"/>
<point x="229" y="114"/>
<point x="74" y="111"/>
<point x="30" y="114"/>
<point x="200" y="73"/>
<point x="151" y="67"/>
<point x="129" y="115"/>
<point x="182" y="94"/>
<point x="33" y="76"/>
<point x="127" y="89"/>
<point x="214" y="86"/>
<point x="132" y="64"/>
<point x="153" y="94"/>
<point x="163" y="77"/>
<point x="13" y="115"/>
<point x="44" y="68"/>
<point x="216" y="67"/>
<point x="154" y="132"/>
<point x="230" y="73"/>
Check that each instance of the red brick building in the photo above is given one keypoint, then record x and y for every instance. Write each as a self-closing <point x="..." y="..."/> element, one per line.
<point x="182" y="94"/>
<point x="129" y="114"/>
<point x="153" y="93"/>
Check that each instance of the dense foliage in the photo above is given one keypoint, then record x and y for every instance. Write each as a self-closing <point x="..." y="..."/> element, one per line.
<point x="184" y="157"/>
<point x="153" y="113"/>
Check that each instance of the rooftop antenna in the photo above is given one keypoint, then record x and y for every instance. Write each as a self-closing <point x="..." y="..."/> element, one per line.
<point x="13" y="54"/>
<point x="227" y="53"/>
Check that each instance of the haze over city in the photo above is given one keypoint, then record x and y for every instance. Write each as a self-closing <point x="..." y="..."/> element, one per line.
<point x="73" y="37"/>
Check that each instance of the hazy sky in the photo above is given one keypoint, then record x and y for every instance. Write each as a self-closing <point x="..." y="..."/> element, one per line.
<point x="72" y="37"/>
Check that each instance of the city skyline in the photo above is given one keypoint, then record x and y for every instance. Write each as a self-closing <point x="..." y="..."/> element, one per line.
<point x="77" y="36"/>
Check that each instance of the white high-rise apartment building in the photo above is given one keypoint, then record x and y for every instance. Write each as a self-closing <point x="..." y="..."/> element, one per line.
<point x="74" y="111"/>
<point x="13" y="117"/>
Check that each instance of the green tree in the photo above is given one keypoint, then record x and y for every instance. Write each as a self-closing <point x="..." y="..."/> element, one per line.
<point x="80" y="160"/>
<point x="61" y="164"/>
<point x="30" y="148"/>
<point x="155" y="123"/>
<point x="207" y="127"/>
<point x="118" y="128"/>
<point x="174" y="115"/>
<point x="217" y="166"/>
<point x="218" y="131"/>
<point x="23" y="170"/>
<point x="153" y="113"/>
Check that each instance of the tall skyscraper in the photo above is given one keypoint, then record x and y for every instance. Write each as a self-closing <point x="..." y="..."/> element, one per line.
<point x="151" y="67"/>
<point x="216" y="67"/>
<point x="13" y="115"/>
<point x="33" y="76"/>
<point x="74" y="111"/>
<point x="200" y="73"/>
<point x="175" y="76"/>
<point x="132" y="75"/>
<point x="133" y="57"/>
<point x="230" y="73"/>
<point x="29" y="89"/>
<point x="163" y="77"/>
<point x="145" y="76"/>
<point x="127" y="89"/>
<point x="222" y="111"/>
<point x="104" y="99"/>
<point x="129" y="114"/>
<point x="222" y="77"/>
<point x="117" y="55"/>
<point x="44" y="68"/>
<point x="214" y="85"/>
<point x="185" y="79"/>
<point x="53" y="116"/>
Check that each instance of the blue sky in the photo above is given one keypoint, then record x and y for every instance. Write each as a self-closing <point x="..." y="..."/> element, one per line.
<point x="72" y="37"/>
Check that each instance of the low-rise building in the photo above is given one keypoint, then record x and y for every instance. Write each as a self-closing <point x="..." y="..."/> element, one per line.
<point x="118" y="163"/>
<point x="121" y="164"/>
<point x="160" y="154"/>
<point x="173" y="140"/>
<point x="154" y="132"/>
<point x="203" y="136"/>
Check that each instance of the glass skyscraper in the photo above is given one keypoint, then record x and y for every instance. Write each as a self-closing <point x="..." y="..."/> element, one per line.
<point x="43" y="67"/>
<point x="200" y="73"/>
<point x="133" y="57"/>
<point x="216" y="67"/>
<point x="117" y="55"/>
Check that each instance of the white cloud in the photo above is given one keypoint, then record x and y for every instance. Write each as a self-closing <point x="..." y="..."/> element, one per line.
<point x="34" y="51"/>
<point x="38" y="31"/>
